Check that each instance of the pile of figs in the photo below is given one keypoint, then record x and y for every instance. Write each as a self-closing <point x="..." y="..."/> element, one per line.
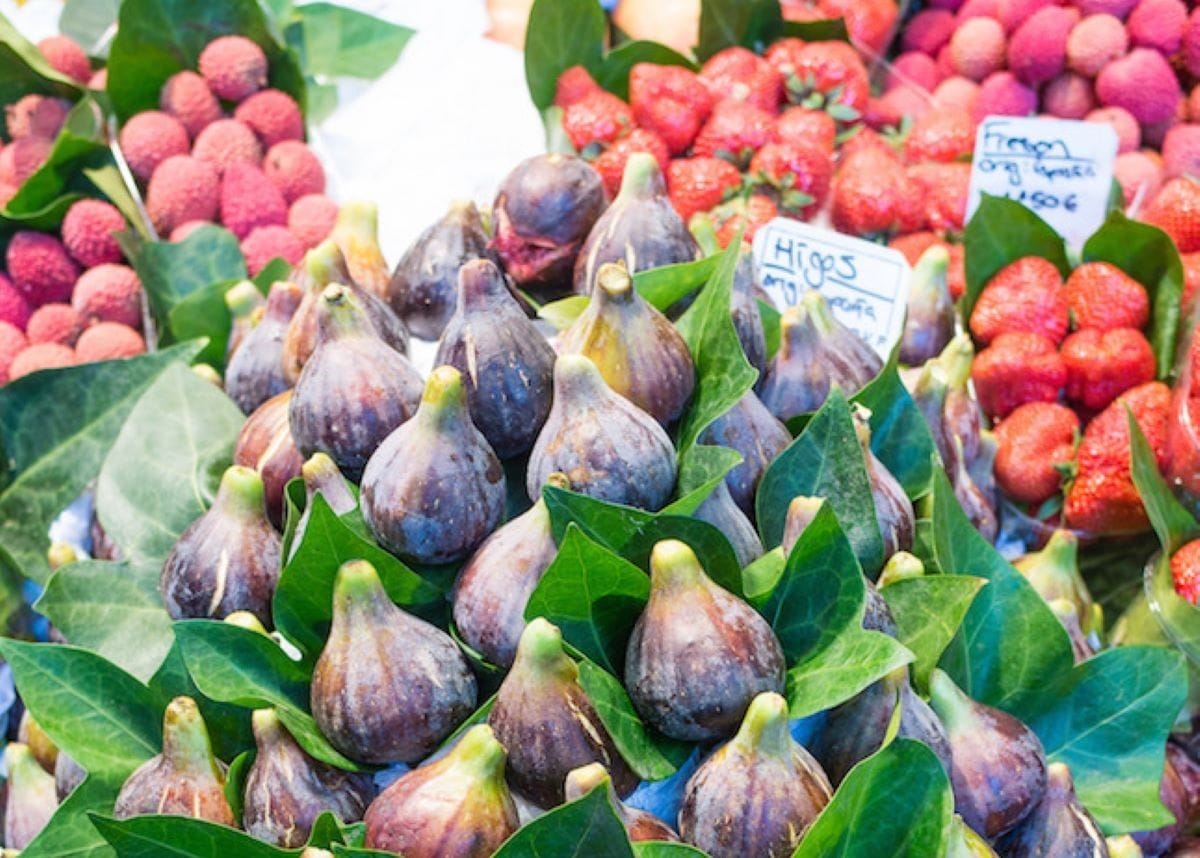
<point x="422" y="465"/>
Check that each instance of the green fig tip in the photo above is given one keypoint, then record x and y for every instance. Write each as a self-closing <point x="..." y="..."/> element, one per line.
<point x="765" y="725"/>
<point x="559" y="480"/>
<point x="582" y="780"/>
<point x="541" y="647"/>
<point x="185" y="738"/>
<point x="901" y="566"/>
<point x="480" y="749"/>
<point x="243" y="298"/>
<point x="318" y="466"/>
<point x="642" y="176"/>
<point x="674" y="562"/>
<point x="264" y="721"/>
<point x="613" y="281"/>
<point x="241" y="491"/>
<point x="246" y="620"/>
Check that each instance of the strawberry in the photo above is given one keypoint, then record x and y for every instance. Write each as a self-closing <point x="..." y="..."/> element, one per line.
<point x="700" y="184"/>
<point x="1101" y="365"/>
<point x="828" y="75"/>
<point x="670" y="101"/>
<point x="1016" y="368"/>
<point x="942" y="189"/>
<point x="956" y="274"/>
<point x="869" y="22"/>
<point x="742" y="213"/>
<point x="734" y="131"/>
<point x="610" y="163"/>
<point x="598" y="117"/>
<point x="1104" y="297"/>
<point x="1102" y="498"/>
<point x="741" y="74"/>
<point x="573" y="85"/>
<point x="945" y="134"/>
<point x="1033" y="445"/>
<point x="872" y="195"/>
<point x="1191" y="282"/>
<point x="800" y="173"/>
<point x="914" y="245"/>
<point x="1185" y="571"/>
<point x="1025" y="295"/>
<point x="1176" y="211"/>
<point x="806" y="127"/>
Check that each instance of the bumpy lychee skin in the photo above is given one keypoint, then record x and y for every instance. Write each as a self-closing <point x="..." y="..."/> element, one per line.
<point x="1116" y="8"/>
<point x="1181" y="151"/>
<point x="916" y="68"/>
<point x="41" y="356"/>
<point x="22" y="157"/>
<point x="1037" y="51"/>
<point x="14" y="309"/>
<point x="12" y="343"/>
<point x="225" y="142"/>
<point x="1189" y="53"/>
<point x="249" y="199"/>
<point x="187" y="97"/>
<point x="1129" y="133"/>
<point x="1094" y="42"/>
<point x="1143" y="83"/>
<point x="1068" y="96"/>
<point x="37" y="115"/>
<point x="977" y="48"/>
<point x="311" y="219"/>
<point x="928" y="30"/>
<point x="66" y="57"/>
<point x="956" y="92"/>
<point x="40" y="267"/>
<point x="1139" y="173"/>
<point x="1157" y="24"/>
<point x="109" y="293"/>
<point x="1003" y="95"/>
<point x="185" y="229"/>
<point x="294" y="169"/>
<point x="265" y="243"/>
<point x="273" y="115"/>
<point x="149" y="138"/>
<point x="182" y="188"/>
<point x="55" y="323"/>
<point x="88" y="232"/>
<point x="233" y="67"/>
<point x="109" y="340"/>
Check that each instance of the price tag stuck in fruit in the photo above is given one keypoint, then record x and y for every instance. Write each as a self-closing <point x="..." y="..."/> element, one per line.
<point x="866" y="284"/>
<point x="1060" y="169"/>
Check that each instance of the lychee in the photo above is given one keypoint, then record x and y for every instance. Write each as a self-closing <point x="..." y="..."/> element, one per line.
<point x="311" y="219"/>
<point x="914" y="68"/>
<point x="1157" y="24"/>
<point x="12" y="343"/>
<point x="187" y="97"/>
<point x="14" y="309"/>
<point x="1037" y="51"/>
<point x="40" y="115"/>
<point x="1181" y="151"/>
<point x="977" y="48"/>
<point x="233" y="67"/>
<point x="1129" y="133"/>
<point x="927" y="31"/>
<point x="40" y="267"/>
<point x="225" y="142"/>
<point x="88" y="232"/>
<point x="22" y="158"/>
<point x="66" y="57"/>
<point x="1094" y="42"/>
<point x="894" y="106"/>
<point x="1190" y="53"/>
<point x="107" y="341"/>
<point x="181" y="232"/>
<point x="149" y="138"/>
<point x="1139" y="173"/>
<point x="1013" y="13"/>
<point x="1143" y="83"/>
<point x="1116" y="8"/>
<point x="1068" y="96"/>
<point x="956" y="92"/>
<point x="109" y="293"/>
<point x="182" y="188"/>
<point x="265" y="243"/>
<point x="55" y="323"/>
<point x="273" y="115"/>
<point x="249" y="199"/>
<point x="294" y="169"/>
<point x="1003" y="95"/>
<point x="98" y="80"/>
<point x="39" y="356"/>
<point x="979" y="9"/>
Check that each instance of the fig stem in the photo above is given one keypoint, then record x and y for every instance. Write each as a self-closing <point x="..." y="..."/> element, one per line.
<point x="444" y="400"/>
<point x="640" y="178"/>
<point x="1061" y="551"/>
<point x="324" y="263"/>
<point x="479" y="755"/>
<point x="266" y="725"/>
<point x="248" y="621"/>
<point x="930" y="271"/>
<point x="584" y="779"/>
<point x="357" y="223"/>
<point x="818" y="310"/>
<point x="614" y="283"/>
<point x="901" y="566"/>
<point x="955" y="361"/>
<point x="577" y="379"/>
<point x="947" y="699"/>
<point x="356" y="587"/>
<point x="243" y="299"/>
<point x="764" y="729"/>
<point x="540" y="650"/>
<point x="186" y="745"/>
<point x="673" y="564"/>
<point x="241" y="492"/>
<point x="319" y="468"/>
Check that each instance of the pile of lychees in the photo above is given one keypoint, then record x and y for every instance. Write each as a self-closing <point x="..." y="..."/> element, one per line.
<point x="250" y="171"/>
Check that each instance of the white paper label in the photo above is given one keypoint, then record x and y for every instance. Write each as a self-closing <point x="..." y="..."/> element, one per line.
<point x="866" y="284"/>
<point x="1059" y="168"/>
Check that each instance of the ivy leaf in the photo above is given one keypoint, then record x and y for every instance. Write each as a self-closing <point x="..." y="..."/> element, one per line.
<point x="585" y="828"/>
<point x="900" y="437"/>
<point x="928" y="612"/>
<point x="335" y="41"/>
<point x="561" y="34"/>
<point x="70" y="832"/>
<point x="157" y="836"/>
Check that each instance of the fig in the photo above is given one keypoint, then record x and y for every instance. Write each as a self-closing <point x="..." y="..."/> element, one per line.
<point x="721" y="512"/>
<point x="929" y="395"/>
<point x="698" y="654"/>
<point x="901" y="566"/>
<point x="457" y="806"/>
<point x="547" y="723"/>
<point x="608" y="447"/>
<point x="354" y="390"/>
<point x="1054" y="573"/>
<point x="356" y="233"/>
<point x="816" y="351"/>
<point x="977" y="506"/>
<point x="639" y="353"/>
<point x="103" y="547"/>
<point x="387" y="687"/>
<point x="226" y="560"/>
<point x="506" y="363"/>
<point x="185" y="779"/>
<point x="255" y="372"/>
<point x="1081" y="646"/>
<point x="423" y="289"/>
<point x="265" y="444"/>
<point x="641" y="227"/>
<point x="982" y="469"/>
<point x="494" y="586"/>
<point x="68" y="774"/>
<point x="800" y="514"/>
<point x="929" y="323"/>
<point x="249" y="622"/>
<point x="1058" y="825"/>
<point x="542" y="215"/>
<point x="640" y="825"/>
<point x="754" y="432"/>
<point x="246" y="305"/>
<point x="965" y="843"/>
<point x="31" y="799"/>
<point x="998" y="767"/>
<point x="747" y="319"/>
<point x="286" y="789"/>
<point x="434" y="489"/>
<point x="1173" y="791"/>
<point x="321" y="477"/>
<point x="893" y="510"/>
<point x="877" y="616"/>
<point x="758" y="793"/>
<point x="30" y="734"/>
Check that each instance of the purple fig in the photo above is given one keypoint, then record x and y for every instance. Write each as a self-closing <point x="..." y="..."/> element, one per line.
<point x="998" y="766"/>
<point x="31" y="799"/>
<point x="103" y="547"/>
<point x="639" y="353"/>
<point x="1058" y="825"/>
<point x="423" y="290"/>
<point x="31" y="734"/>
<point x="286" y="789"/>
<point x="542" y="215"/>
<point x="1174" y="793"/>
<point x="750" y="429"/>
<point x="354" y="390"/>
<point x="1081" y="645"/>
<point x="800" y="514"/>
<point x="494" y="586"/>
<point x="226" y="560"/>
<point x="982" y="469"/>
<point x="265" y="444"/>
<point x="978" y="508"/>
<point x="356" y="233"/>
<point x="698" y="654"/>
<point x="68" y="774"/>
<point x="387" y="687"/>
<point x="641" y="227"/>
<point x="962" y="418"/>
<point x="457" y="806"/>
<point x="929" y="324"/>
<point x="929" y="393"/>
<point x="246" y="305"/>
<point x="608" y="447"/>
<point x="1054" y="573"/>
<point x="747" y="320"/>
<point x="758" y="793"/>
<point x="721" y="512"/>
<point x="545" y="720"/>
<point x="893" y="510"/>
<point x="255" y="373"/>
<point x="321" y="477"/>
<point x="640" y="825"/>
<point x="506" y="363"/>
<point x="434" y="489"/>
<point x="185" y="779"/>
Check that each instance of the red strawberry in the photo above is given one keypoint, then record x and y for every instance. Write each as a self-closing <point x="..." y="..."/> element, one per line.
<point x="1025" y="295"/>
<point x="872" y="195"/>
<point x="1103" y="296"/>
<point x="700" y="184"/>
<point x="945" y="134"/>
<point x="1191" y="282"/>
<point x="943" y="191"/>
<point x="1016" y="368"/>
<point x="800" y="173"/>
<point x="741" y="74"/>
<point x="735" y="131"/>
<point x="599" y="117"/>
<point x="740" y="213"/>
<point x="806" y="127"/>
<point x="914" y="245"/>
<point x="670" y="101"/>
<point x="821" y="74"/>
<point x="869" y="22"/>
<point x="1176" y="211"/>
<point x="956" y="274"/>
<point x="1185" y="571"/>
<point x="610" y="163"/>
<point x="573" y="85"/>
<point x="1032" y="444"/>
<point x="1101" y="365"/>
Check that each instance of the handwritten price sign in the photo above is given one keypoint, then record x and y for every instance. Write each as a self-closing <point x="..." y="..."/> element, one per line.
<point x="865" y="284"/>
<point x="1059" y="168"/>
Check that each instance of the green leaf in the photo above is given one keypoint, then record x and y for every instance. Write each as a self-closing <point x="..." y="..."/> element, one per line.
<point x="663" y="849"/>
<point x="928" y="612"/>
<point x="171" y="271"/>
<point x="585" y="828"/>
<point x="163" y="469"/>
<point x="113" y="609"/>
<point x="563" y="312"/>
<point x="900" y="436"/>
<point x="752" y="24"/>
<point x="56" y="428"/>
<point x="170" y="836"/>
<point x="1173" y="524"/>
<point x="1002" y="231"/>
<point x="896" y="803"/>
<point x="23" y="69"/>
<point x="824" y="461"/>
<point x="303" y="604"/>
<point x="156" y="38"/>
<point x="666" y="285"/>
<point x="702" y="468"/>
<point x="87" y="22"/>
<point x="1149" y="256"/>
<point x="561" y="34"/>
<point x="832" y="675"/>
<point x="204" y="314"/>
<point x="70" y="833"/>
<point x="235" y="782"/>
<point x="334" y="41"/>
<point x="613" y="73"/>
<point x="593" y="596"/>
